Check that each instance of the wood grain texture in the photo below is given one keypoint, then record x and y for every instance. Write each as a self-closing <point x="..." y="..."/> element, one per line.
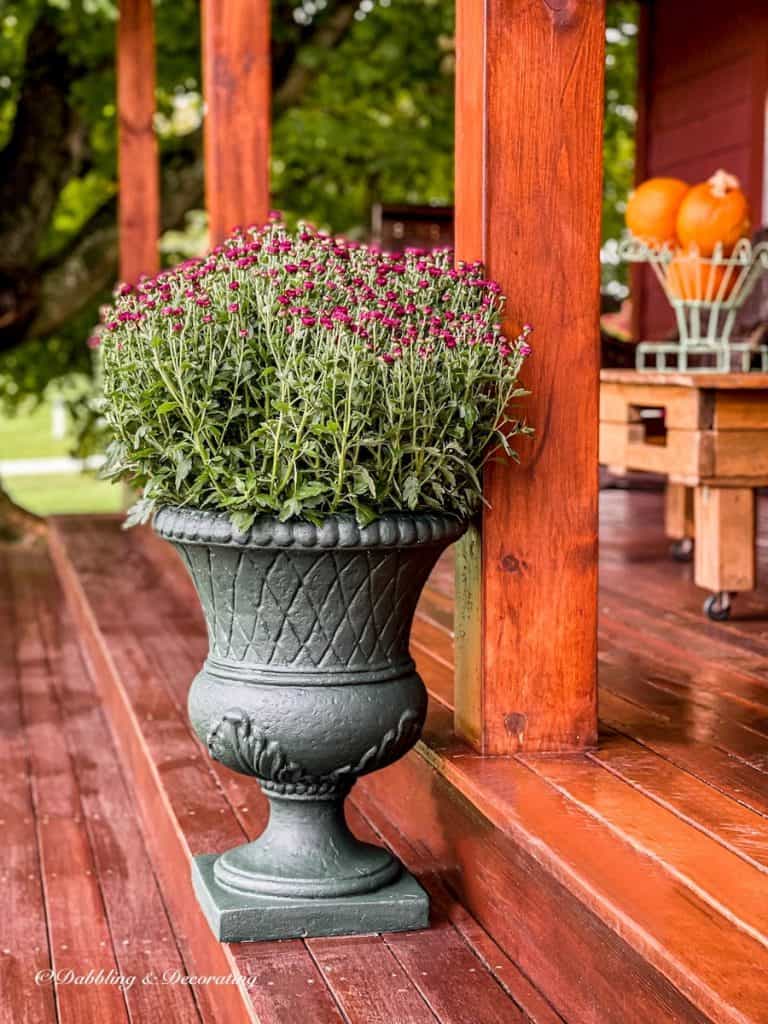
<point x="23" y="932"/>
<point x="541" y="193"/>
<point x="733" y="888"/>
<point x="138" y="167"/>
<point x="740" y="410"/>
<point x="368" y="982"/>
<point x="446" y="907"/>
<point x="685" y="455"/>
<point x="237" y="90"/>
<point x="690" y="700"/>
<point x="739" y="454"/>
<point x="451" y="979"/>
<point x="78" y="927"/>
<point x="619" y="403"/>
<point x="468" y="674"/>
<point x="141" y="933"/>
<point x="641" y="276"/>
<point x="179" y="796"/>
<point x="691" y="799"/>
<point x="470" y="131"/>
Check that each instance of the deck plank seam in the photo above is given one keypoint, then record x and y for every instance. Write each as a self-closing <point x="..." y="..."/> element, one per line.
<point x="676" y="810"/>
<point x="670" y="868"/>
<point x="626" y="731"/>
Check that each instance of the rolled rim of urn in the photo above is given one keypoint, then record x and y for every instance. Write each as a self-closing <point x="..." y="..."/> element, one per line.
<point x="394" y="530"/>
<point x="308" y="683"/>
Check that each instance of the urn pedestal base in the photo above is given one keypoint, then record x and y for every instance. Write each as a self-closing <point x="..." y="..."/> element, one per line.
<point x="308" y="685"/>
<point x="400" y="906"/>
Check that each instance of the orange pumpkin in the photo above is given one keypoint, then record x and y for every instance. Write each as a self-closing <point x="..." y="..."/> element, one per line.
<point x="697" y="279"/>
<point x="712" y="213"/>
<point x="652" y="210"/>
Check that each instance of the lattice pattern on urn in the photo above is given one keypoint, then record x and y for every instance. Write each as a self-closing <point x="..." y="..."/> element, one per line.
<point x="350" y="608"/>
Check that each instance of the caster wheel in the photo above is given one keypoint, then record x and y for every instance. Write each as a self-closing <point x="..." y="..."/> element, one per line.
<point x="682" y="550"/>
<point x="718" y="606"/>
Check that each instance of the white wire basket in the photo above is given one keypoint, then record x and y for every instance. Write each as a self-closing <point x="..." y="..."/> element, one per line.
<point x="706" y="294"/>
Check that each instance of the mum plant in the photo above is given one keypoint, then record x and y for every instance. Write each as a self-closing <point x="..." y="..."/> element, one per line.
<point x="300" y="375"/>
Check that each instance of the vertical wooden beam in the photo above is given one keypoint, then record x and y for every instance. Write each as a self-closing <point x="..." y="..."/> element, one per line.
<point x="237" y="86"/>
<point x="469" y="137"/>
<point x="539" y="159"/>
<point x="138" y="169"/>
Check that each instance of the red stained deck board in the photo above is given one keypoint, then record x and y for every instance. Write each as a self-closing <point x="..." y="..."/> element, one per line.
<point x="23" y="930"/>
<point x="721" y="771"/>
<point x="78" y="928"/>
<point x="692" y="800"/>
<point x="103" y="902"/>
<point x="369" y="983"/>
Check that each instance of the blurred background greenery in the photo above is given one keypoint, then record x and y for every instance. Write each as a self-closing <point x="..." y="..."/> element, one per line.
<point x="363" y="113"/>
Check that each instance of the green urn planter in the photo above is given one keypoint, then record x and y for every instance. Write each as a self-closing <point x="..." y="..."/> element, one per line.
<point x="308" y="685"/>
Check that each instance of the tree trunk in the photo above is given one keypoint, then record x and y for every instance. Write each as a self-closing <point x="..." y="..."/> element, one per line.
<point x="17" y="525"/>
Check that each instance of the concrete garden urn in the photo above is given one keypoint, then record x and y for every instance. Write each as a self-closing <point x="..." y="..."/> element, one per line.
<point x="308" y="685"/>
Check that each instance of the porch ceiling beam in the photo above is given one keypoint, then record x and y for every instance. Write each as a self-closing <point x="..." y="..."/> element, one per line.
<point x="529" y="116"/>
<point x="237" y="85"/>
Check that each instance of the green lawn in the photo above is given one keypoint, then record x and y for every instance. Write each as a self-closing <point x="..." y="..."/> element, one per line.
<point x="64" y="493"/>
<point x="28" y="436"/>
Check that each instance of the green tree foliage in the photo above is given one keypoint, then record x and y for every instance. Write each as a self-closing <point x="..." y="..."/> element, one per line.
<point x="378" y="121"/>
<point x="619" y="141"/>
<point x="363" y="111"/>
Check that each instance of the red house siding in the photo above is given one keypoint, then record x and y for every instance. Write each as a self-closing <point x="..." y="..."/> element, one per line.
<point x="705" y="83"/>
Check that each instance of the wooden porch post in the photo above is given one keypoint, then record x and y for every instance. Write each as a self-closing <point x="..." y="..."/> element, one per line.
<point x="138" y="169"/>
<point x="237" y="87"/>
<point x="528" y="198"/>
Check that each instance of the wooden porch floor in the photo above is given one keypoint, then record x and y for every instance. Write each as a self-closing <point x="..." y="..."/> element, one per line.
<point x="627" y="885"/>
<point x="96" y="884"/>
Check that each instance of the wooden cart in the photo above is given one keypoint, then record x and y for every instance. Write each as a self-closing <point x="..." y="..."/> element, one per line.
<point x="708" y="434"/>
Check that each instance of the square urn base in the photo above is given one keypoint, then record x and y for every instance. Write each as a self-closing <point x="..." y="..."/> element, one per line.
<point x="398" y="907"/>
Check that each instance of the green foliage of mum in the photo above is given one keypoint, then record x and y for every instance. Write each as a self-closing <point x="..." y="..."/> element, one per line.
<point x="300" y="375"/>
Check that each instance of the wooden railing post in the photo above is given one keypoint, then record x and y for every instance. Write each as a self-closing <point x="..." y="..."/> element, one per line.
<point x="138" y="168"/>
<point x="237" y="87"/>
<point x="528" y="199"/>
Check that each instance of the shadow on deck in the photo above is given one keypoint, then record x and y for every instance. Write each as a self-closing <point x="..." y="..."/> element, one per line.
<point x="624" y="885"/>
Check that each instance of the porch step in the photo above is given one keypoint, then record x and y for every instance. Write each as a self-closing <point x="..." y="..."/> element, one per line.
<point x="143" y="640"/>
<point x="625" y="885"/>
